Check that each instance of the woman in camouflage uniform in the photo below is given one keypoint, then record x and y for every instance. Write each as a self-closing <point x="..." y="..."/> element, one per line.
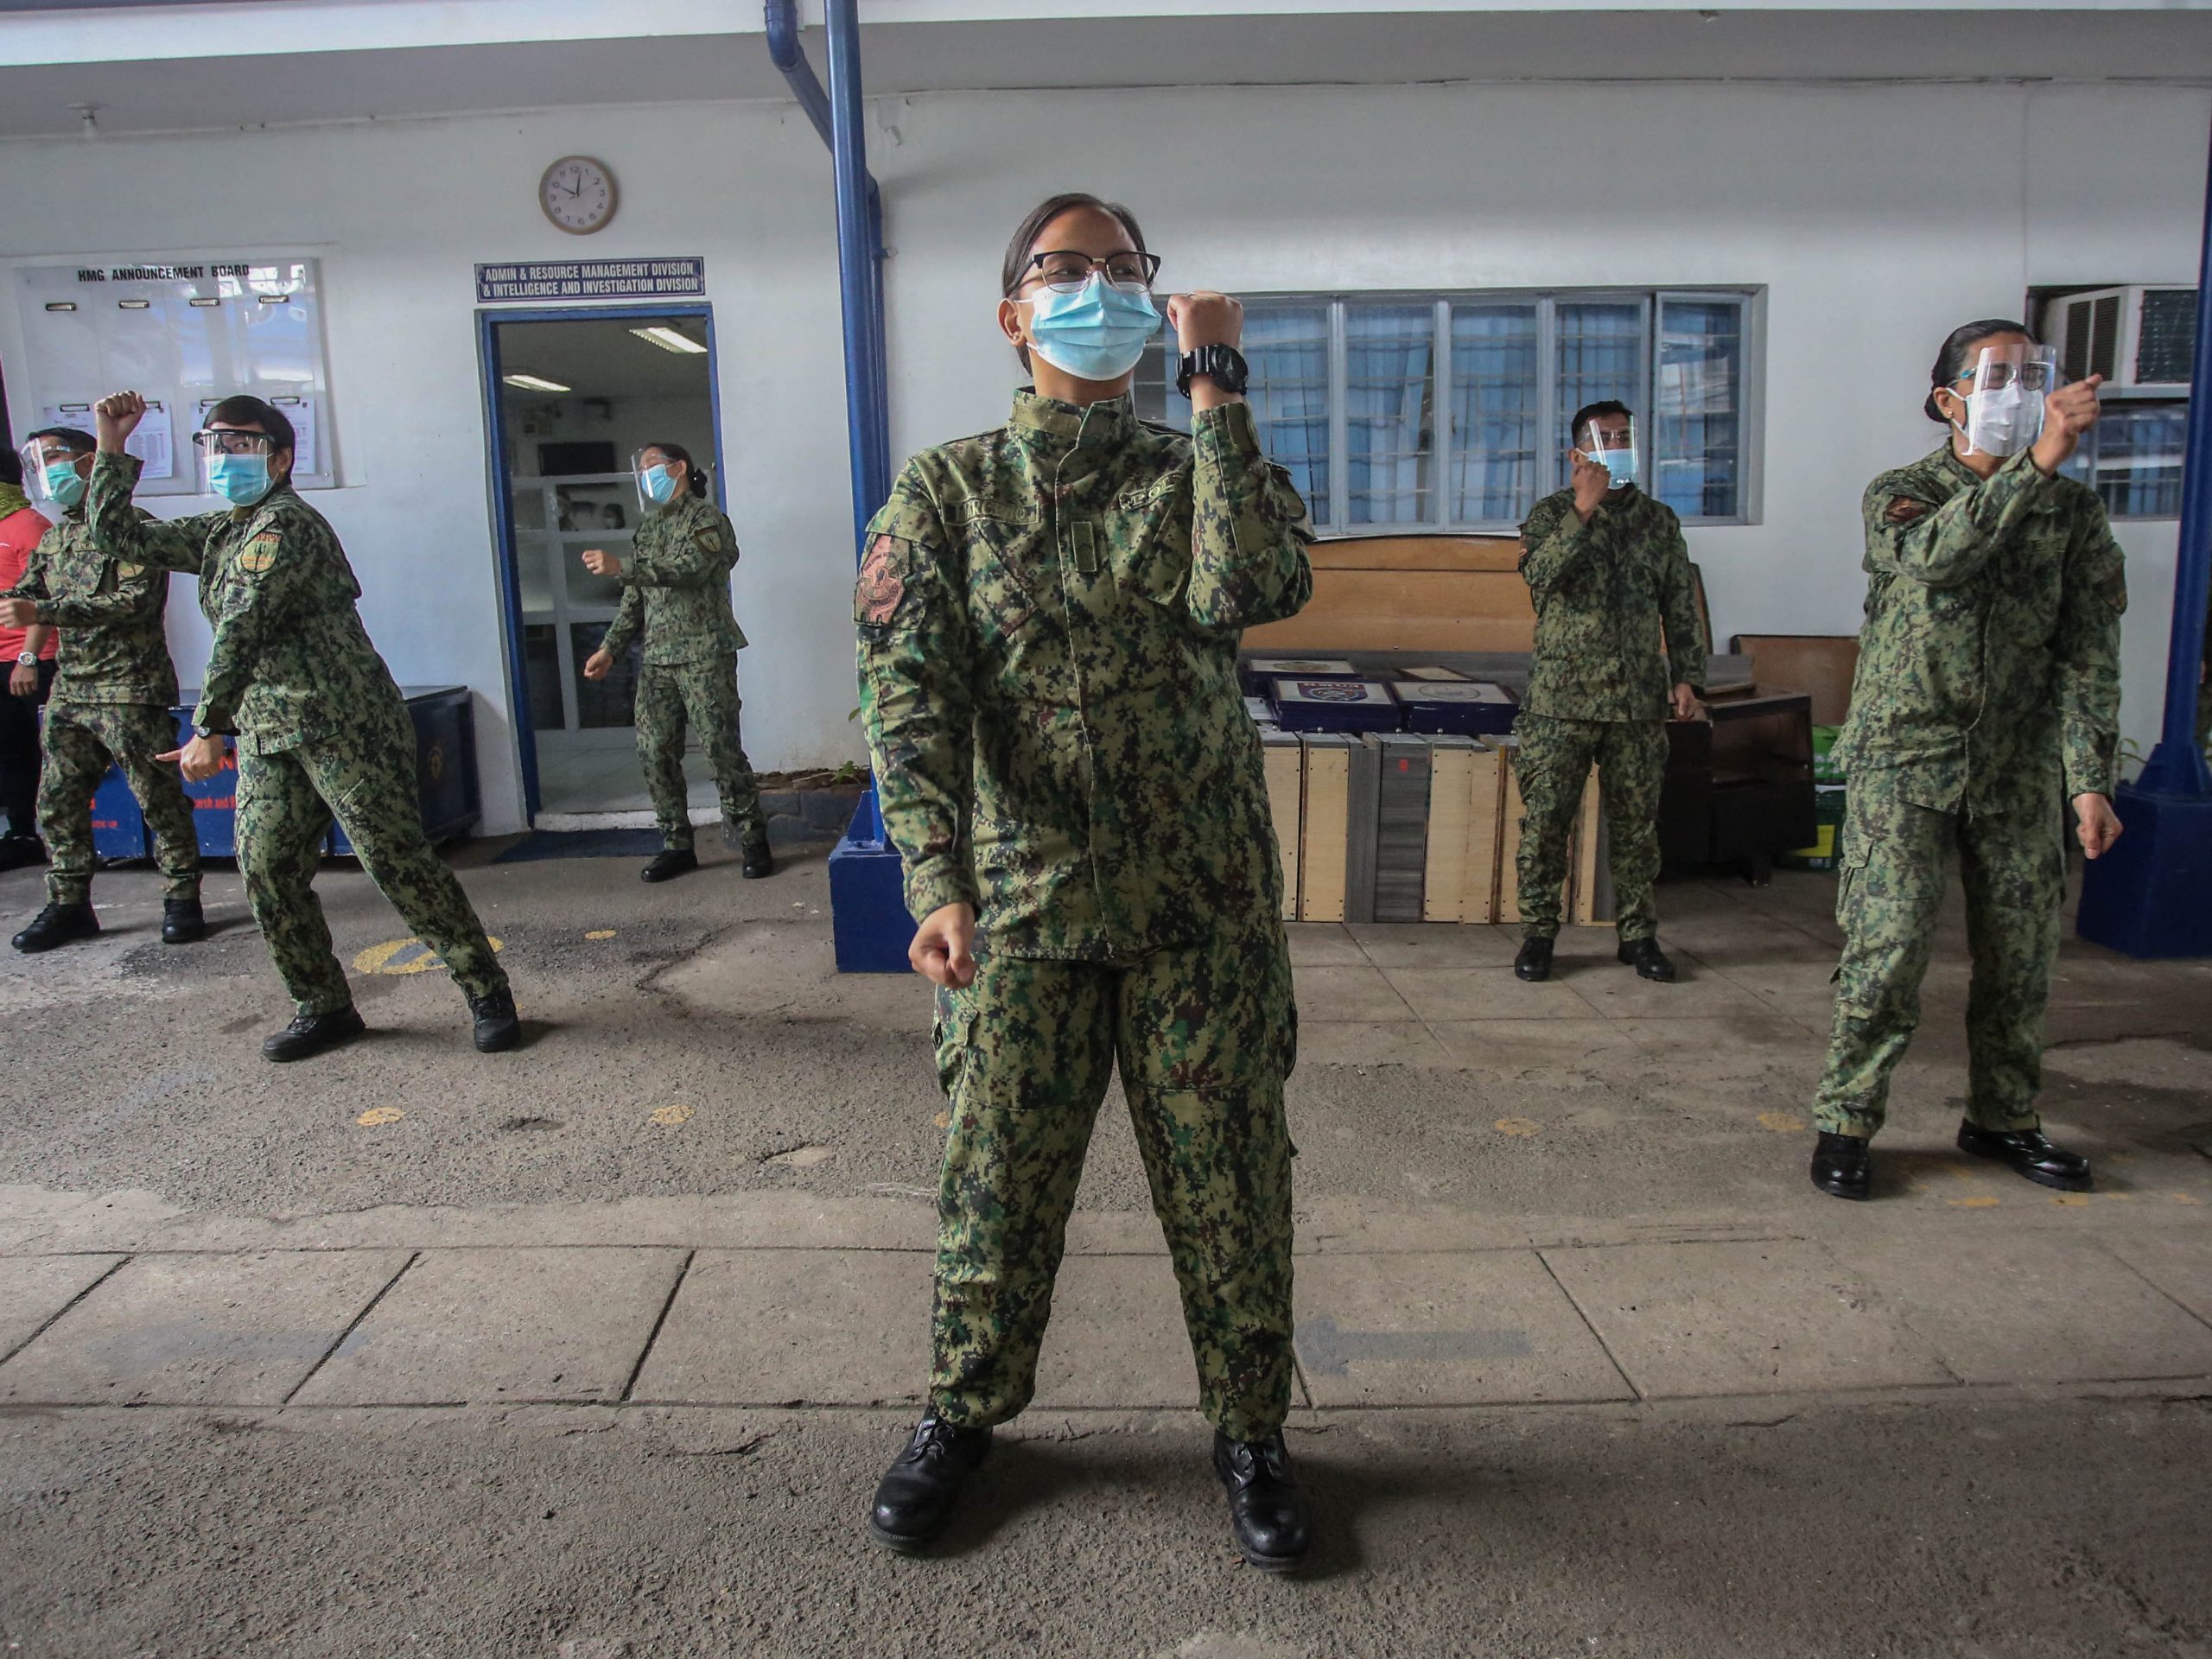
<point x="676" y="590"/>
<point x="1988" y="687"/>
<point x="1049" y="615"/>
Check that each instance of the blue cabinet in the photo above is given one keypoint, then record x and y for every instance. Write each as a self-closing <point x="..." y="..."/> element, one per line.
<point x="445" y="781"/>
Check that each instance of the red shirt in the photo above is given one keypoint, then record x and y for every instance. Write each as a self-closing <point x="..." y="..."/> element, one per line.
<point x="19" y="533"/>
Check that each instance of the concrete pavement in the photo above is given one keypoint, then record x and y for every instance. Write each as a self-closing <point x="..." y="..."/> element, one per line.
<point x="597" y="1348"/>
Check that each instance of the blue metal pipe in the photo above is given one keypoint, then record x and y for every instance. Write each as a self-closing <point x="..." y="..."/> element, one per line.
<point x="836" y="118"/>
<point x="2177" y="766"/>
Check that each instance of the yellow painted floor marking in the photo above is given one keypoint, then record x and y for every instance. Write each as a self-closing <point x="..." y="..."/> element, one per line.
<point x="1517" y="1126"/>
<point x="1984" y="1202"/>
<point x="601" y="933"/>
<point x="669" y="1116"/>
<point x="943" y="1120"/>
<point x="401" y="957"/>
<point x="2072" y="1200"/>
<point x="1782" y="1123"/>
<point x="378" y="1115"/>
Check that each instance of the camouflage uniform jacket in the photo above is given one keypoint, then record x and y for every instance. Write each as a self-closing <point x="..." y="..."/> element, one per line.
<point x="290" y="661"/>
<point x="1617" y="621"/>
<point x="676" y="585"/>
<point x="1989" y="661"/>
<point x="1049" y="616"/>
<point x="114" y="643"/>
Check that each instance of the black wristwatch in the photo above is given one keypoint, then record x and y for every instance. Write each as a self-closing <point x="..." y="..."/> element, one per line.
<point x="1223" y="365"/>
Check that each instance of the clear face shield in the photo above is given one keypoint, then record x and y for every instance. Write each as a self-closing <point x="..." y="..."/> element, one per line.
<point x="2004" y="398"/>
<point x="237" y="465"/>
<point x="1611" y="442"/>
<point x="655" y="473"/>
<point x="51" y="473"/>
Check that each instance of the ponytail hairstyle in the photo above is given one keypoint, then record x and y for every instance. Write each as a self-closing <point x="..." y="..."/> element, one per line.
<point x="693" y="474"/>
<point x="1958" y="349"/>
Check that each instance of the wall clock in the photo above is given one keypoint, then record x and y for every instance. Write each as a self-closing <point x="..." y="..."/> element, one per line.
<point x="577" y="194"/>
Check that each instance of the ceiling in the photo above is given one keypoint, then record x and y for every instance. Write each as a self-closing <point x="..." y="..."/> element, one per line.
<point x="602" y="359"/>
<point x="2171" y="45"/>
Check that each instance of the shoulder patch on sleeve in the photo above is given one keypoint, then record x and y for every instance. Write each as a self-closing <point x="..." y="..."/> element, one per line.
<point x="260" y="552"/>
<point x="1906" y="510"/>
<point x="882" y="584"/>
<point x="129" y="572"/>
<point x="710" y="538"/>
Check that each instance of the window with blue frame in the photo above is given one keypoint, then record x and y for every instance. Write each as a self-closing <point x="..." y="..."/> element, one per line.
<point x="1450" y="411"/>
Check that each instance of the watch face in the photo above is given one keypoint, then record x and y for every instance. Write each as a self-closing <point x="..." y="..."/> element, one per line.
<point x="577" y="194"/>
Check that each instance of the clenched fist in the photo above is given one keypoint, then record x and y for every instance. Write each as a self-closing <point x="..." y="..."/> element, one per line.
<point x="2067" y="414"/>
<point x="117" y="416"/>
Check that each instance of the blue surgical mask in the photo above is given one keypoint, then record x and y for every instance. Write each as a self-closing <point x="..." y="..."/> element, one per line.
<point x="1620" y="463"/>
<point x="65" y="484"/>
<point x="1098" y="333"/>
<point x="660" y="486"/>
<point x="239" y="480"/>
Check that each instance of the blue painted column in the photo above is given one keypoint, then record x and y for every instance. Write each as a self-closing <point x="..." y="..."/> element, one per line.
<point x="2152" y="894"/>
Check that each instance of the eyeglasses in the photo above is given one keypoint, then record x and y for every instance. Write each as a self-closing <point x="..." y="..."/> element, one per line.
<point x="220" y="442"/>
<point x="1995" y="376"/>
<point x="1064" y="271"/>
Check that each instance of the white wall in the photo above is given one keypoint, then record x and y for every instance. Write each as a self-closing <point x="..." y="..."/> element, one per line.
<point x="1876" y="218"/>
<point x="399" y="215"/>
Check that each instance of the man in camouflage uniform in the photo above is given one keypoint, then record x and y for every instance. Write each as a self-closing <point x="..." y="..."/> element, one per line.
<point x="1616" y="627"/>
<point x="1988" y="683"/>
<point x="1049" y="616"/>
<point x="321" y="728"/>
<point x="675" y="589"/>
<point x="113" y="688"/>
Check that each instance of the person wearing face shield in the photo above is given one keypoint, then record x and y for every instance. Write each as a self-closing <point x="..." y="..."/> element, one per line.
<point x="1988" y="689"/>
<point x="1048" y="616"/>
<point x="27" y="655"/>
<point x="1620" y="650"/>
<point x="321" y="728"/>
<point x="112" y="690"/>
<point x="675" y="591"/>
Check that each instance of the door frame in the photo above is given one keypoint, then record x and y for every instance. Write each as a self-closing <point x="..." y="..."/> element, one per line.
<point x="504" y="561"/>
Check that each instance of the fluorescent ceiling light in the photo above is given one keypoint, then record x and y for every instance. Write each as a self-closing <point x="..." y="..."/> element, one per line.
<point x="670" y="341"/>
<point x="533" y="383"/>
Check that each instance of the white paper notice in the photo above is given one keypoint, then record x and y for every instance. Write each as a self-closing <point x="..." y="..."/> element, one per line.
<point x="300" y="412"/>
<point x="154" y="442"/>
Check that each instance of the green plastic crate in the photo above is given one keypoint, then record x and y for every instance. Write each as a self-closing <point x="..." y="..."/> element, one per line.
<point x="1827" y="816"/>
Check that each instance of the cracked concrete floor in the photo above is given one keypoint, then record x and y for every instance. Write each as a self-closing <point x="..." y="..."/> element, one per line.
<point x="687" y="1041"/>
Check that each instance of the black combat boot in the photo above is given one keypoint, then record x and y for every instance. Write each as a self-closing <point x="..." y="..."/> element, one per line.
<point x="914" y="1499"/>
<point x="1841" y="1166"/>
<point x="1649" y="960"/>
<point x="58" y="925"/>
<point x="2028" y="1153"/>
<point x="183" y="921"/>
<point x="1535" y="962"/>
<point x="1266" y="1512"/>
<point x="311" y="1033"/>
<point x="752" y="836"/>
<point x="497" y="1026"/>
<point x="669" y="864"/>
<point x="17" y="851"/>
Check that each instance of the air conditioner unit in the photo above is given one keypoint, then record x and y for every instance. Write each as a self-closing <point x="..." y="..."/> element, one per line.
<point x="2143" y="336"/>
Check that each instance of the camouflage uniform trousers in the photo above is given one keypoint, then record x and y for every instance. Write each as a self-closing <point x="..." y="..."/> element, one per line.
<point x="365" y="775"/>
<point x="704" y="693"/>
<point x="1204" y="1035"/>
<point x="2012" y="867"/>
<point x="81" y="739"/>
<point x="1554" y="766"/>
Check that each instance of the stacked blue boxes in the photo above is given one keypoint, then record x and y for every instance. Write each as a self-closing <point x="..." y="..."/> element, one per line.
<point x="1468" y="709"/>
<point x="1328" y="705"/>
